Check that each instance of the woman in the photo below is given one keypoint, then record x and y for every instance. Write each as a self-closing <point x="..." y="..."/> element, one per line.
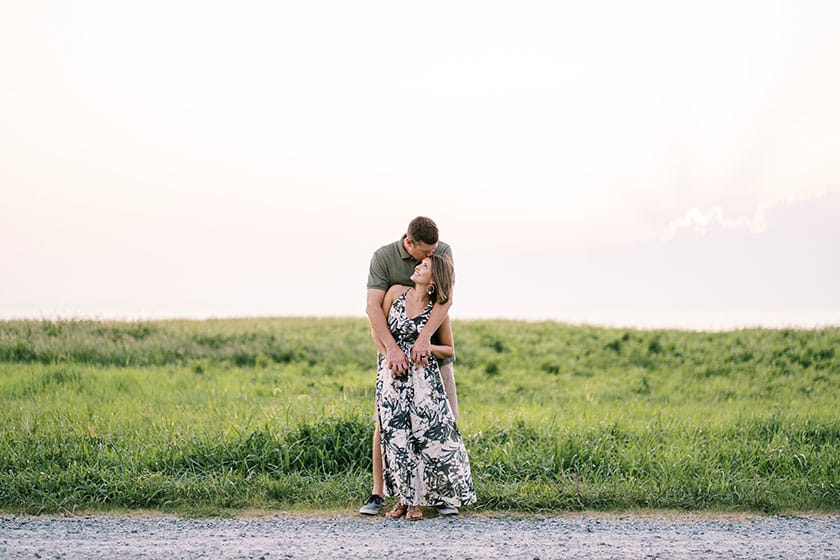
<point x="424" y="458"/>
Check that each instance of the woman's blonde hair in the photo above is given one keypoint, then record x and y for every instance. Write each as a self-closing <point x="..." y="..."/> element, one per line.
<point x="443" y="275"/>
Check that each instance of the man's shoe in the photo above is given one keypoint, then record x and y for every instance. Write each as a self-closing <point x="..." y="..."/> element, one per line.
<point x="446" y="509"/>
<point x="373" y="505"/>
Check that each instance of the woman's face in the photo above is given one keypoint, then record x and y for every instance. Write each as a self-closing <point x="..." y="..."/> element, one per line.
<point x="423" y="272"/>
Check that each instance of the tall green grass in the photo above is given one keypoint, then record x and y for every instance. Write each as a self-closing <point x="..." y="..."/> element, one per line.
<point x="209" y="416"/>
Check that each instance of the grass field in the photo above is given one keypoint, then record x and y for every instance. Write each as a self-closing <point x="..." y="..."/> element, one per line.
<point x="215" y="416"/>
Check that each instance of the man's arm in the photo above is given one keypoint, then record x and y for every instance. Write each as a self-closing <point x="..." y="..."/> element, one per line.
<point x="443" y="345"/>
<point x="423" y="346"/>
<point x="394" y="356"/>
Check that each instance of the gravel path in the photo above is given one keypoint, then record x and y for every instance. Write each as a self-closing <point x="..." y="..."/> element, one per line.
<point x="589" y="536"/>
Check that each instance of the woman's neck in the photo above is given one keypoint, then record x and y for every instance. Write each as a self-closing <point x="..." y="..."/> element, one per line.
<point x="419" y="294"/>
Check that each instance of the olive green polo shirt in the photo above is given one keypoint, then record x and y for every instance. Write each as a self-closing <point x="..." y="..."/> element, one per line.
<point x="391" y="264"/>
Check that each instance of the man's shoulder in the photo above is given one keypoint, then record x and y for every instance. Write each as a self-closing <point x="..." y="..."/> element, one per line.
<point x="388" y="249"/>
<point x="444" y="249"/>
<point x="384" y="264"/>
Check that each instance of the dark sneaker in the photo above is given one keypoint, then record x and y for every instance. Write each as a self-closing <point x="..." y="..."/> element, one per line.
<point x="373" y="505"/>
<point x="446" y="509"/>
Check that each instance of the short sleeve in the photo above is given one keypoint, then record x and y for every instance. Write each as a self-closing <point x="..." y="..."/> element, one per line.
<point x="378" y="277"/>
<point x="445" y="250"/>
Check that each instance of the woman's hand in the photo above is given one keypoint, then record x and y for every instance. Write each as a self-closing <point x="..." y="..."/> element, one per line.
<point x="421" y="350"/>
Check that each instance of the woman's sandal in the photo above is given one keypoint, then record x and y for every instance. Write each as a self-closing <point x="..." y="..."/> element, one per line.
<point x="413" y="514"/>
<point x="397" y="511"/>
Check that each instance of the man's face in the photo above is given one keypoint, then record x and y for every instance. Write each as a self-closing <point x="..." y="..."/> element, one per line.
<point x="419" y="250"/>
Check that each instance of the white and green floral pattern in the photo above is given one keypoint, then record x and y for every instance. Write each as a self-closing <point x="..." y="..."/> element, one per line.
<point x="424" y="458"/>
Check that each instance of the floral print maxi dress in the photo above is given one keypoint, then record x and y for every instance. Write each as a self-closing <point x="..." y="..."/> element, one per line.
<point x="424" y="458"/>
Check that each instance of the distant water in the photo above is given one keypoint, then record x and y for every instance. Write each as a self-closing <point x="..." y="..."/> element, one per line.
<point x="692" y="319"/>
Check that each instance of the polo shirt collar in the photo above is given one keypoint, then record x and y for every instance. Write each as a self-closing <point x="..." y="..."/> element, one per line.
<point x="403" y="253"/>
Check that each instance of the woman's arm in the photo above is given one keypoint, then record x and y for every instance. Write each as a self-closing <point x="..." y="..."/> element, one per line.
<point x="443" y="345"/>
<point x="423" y="342"/>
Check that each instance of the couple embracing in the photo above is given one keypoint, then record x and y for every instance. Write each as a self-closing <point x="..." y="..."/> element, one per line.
<point x="418" y="453"/>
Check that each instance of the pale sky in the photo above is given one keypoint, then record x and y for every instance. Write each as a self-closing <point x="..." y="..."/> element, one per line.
<point x="586" y="160"/>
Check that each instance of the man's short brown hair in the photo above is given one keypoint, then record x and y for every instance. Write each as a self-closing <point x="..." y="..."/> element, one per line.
<point x="422" y="229"/>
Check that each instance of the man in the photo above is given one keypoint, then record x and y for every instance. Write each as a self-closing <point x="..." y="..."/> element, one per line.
<point x="393" y="264"/>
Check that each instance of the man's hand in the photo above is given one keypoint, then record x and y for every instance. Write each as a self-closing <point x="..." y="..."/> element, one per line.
<point x="421" y="350"/>
<point x="397" y="361"/>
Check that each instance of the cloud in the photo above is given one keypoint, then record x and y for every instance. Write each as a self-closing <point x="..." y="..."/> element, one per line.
<point x="702" y="221"/>
<point x="715" y="262"/>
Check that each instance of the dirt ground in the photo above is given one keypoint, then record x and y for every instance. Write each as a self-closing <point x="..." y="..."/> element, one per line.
<point x="470" y="535"/>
